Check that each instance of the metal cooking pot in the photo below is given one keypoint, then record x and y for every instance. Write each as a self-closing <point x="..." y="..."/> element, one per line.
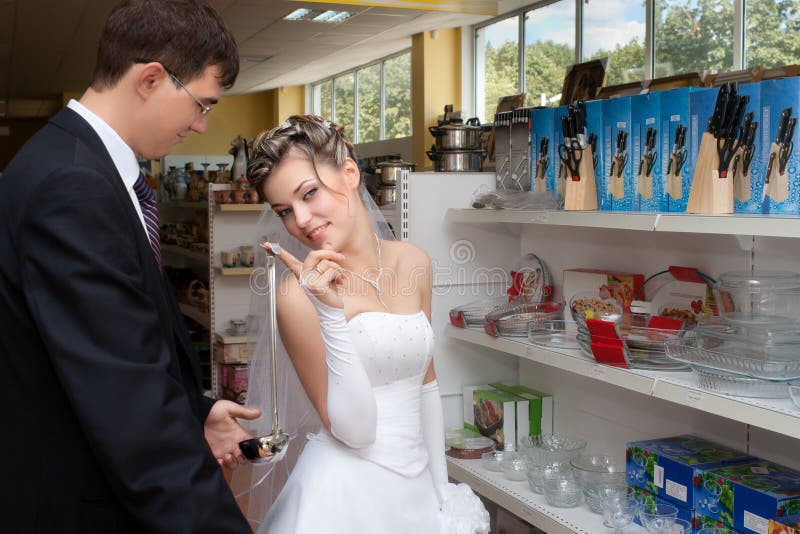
<point x="389" y="171"/>
<point x="457" y="160"/>
<point x="458" y="136"/>
<point x="386" y="195"/>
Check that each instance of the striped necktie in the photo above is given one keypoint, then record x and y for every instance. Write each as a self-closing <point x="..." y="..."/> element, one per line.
<point x="147" y="201"/>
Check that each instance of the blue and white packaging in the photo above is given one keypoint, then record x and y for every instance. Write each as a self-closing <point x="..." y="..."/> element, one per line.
<point x="676" y="149"/>
<point x="544" y="165"/>
<point x="748" y="178"/>
<point x="617" y="186"/>
<point x="594" y="125"/>
<point x="781" y="193"/>
<point x="559" y="173"/>
<point x="645" y="124"/>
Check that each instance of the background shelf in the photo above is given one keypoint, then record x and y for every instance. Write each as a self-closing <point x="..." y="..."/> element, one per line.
<point x="241" y="207"/>
<point x="185" y="252"/>
<point x="196" y="314"/>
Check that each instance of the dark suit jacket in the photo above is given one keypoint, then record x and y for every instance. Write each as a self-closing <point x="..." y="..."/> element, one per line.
<point x="99" y="385"/>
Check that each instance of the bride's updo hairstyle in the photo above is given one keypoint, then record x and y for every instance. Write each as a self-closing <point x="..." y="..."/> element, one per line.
<point x="321" y="140"/>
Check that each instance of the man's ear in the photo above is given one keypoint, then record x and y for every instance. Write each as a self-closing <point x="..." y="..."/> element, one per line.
<point x="148" y="78"/>
<point x="352" y="174"/>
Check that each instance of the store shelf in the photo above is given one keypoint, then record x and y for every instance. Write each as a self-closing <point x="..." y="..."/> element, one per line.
<point x="517" y="498"/>
<point x="185" y="252"/>
<point x="737" y="224"/>
<point x="196" y="314"/>
<point x="227" y="339"/>
<point x="777" y="415"/>
<point x="234" y="271"/>
<point x="199" y="205"/>
<point x="241" y="207"/>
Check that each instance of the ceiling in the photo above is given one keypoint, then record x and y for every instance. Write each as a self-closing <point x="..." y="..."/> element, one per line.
<point x="48" y="47"/>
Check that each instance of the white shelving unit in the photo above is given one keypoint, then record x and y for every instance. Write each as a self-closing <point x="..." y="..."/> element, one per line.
<point x="606" y="405"/>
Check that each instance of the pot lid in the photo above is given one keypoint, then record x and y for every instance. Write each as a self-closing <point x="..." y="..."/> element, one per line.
<point x="395" y="163"/>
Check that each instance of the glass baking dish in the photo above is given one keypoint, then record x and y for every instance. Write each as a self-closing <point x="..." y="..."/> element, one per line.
<point x="648" y="360"/>
<point x="554" y="334"/>
<point x="513" y="319"/>
<point x="775" y="343"/>
<point x="740" y="385"/>
<point x="688" y="351"/>
<point x="471" y="315"/>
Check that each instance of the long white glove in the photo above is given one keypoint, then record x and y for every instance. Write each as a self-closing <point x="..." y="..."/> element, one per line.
<point x="433" y="435"/>
<point x="351" y="402"/>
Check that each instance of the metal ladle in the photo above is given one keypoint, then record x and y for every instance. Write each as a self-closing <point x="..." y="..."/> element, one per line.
<point x="267" y="448"/>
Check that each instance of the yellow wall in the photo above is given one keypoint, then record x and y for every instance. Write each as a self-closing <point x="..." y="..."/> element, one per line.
<point x="435" y="82"/>
<point x="290" y="101"/>
<point x="244" y="115"/>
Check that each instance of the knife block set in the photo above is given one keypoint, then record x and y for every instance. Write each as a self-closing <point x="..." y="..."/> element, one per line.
<point x="577" y="162"/>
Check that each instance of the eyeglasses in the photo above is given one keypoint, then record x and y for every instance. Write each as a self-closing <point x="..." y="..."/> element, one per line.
<point x="204" y="110"/>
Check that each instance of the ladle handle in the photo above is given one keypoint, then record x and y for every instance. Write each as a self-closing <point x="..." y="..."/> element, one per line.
<point x="276" y="425"/>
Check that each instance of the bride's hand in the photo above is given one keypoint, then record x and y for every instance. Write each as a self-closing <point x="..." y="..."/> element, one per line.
<point x="319" y="274"/>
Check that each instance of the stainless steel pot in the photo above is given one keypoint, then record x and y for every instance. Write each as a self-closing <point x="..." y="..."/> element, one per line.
<point x="457" y="160"/>
<point x="386" y="195"/>
<point x="389" y="171"/>
<point x="457" y="135"/>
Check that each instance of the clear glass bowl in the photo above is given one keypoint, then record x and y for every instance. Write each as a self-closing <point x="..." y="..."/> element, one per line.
<point x="552" y="448"/>
<point x="514" y="466"/>
<point x="598" y="469"/>
<point x="562" y="489"/>
<point x="554" y="334"/>
<point x="536" y="474"/>
<point x="658" y="519"/>
<point x="596" y="494"/>
<point x="740" y="385"/>
<point x="794" y="392"/>
<point x="618" y="512"/>
<point x="492" y="461"/>
<point x="760" y="297"/>
<point x="681" y="526"/>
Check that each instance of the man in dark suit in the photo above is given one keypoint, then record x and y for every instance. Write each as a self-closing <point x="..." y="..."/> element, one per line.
<point x="105" y="427"/>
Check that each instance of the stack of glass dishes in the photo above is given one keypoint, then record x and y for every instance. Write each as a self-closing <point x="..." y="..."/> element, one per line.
<point x="554" y="334"/>
<point x="513" y="320"/>
<point x="471" y="315"/>
<point x="753" y="348"/>
<point x="641" y="346"/>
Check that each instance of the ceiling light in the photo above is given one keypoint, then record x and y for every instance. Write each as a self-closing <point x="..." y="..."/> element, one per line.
<point x="333" y="17"/>
<point x="298" y="14"/>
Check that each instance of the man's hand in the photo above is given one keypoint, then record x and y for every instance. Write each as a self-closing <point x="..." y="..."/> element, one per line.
<point x="223" y="433"/>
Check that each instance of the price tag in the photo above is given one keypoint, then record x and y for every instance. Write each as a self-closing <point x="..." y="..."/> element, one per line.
<point x="600" y="372"/>
<point x="540" y="218"/>
<point x="693" y="398"/>
<point x="530" y="513"/>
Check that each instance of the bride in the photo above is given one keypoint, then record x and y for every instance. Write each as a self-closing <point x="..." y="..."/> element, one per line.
<point x="358" y="389"/>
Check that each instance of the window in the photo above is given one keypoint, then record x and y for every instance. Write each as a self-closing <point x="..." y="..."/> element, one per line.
<point x="549" y="50"/>
<point x="693" y="36"/>
<point x="496" y="65"/>
<point x="383" y="106"/>
<point x="397" y="90"/>
<point x="772" y="33"/>
<point x="369" y="104"/>
<point x="615" y="29"/>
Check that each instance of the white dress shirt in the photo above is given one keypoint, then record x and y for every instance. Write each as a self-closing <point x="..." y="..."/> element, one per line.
<point x="121" y="154"/>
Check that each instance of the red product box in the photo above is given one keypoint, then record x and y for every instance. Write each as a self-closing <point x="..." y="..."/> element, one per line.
<point x="233" y="382"/>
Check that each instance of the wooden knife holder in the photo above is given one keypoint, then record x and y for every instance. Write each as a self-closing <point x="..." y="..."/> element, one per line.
<point x="581" y="195"/>
<point x="617" y="182"/>
<point x="644" y="184"/>
<point x="709" y="194"/>
<point x="741" y="182"/>
<point x="539" y="181"/>
<point x="675" y="181"/>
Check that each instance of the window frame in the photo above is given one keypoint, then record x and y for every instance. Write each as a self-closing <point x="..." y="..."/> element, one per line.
<point x="739" y="53"/>
<point x="354" y="71"/>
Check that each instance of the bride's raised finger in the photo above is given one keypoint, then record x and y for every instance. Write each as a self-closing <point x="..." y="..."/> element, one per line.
<point x="285" y="256"/>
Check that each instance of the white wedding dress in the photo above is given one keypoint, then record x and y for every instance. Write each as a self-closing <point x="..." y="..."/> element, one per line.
<point x="385" y="488"/>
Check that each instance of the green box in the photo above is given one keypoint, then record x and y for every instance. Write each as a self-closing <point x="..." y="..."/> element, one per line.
<point x="492" y="413"/>
<point x="540" y="409"/>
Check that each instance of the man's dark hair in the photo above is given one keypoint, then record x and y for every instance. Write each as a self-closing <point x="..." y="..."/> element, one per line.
<point x="185" y="36"/>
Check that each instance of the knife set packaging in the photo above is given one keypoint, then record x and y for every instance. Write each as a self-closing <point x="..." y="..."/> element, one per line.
<point x="645" y="125"/>
<point x="780" y="103"/>
<point x="618" y="186"/>
<point x="520" y="153"/>
<point x="675" y="148"/>
<point x="543" y="151"/>
<point x="503" y="412"/>
<point x="575" y="176"/>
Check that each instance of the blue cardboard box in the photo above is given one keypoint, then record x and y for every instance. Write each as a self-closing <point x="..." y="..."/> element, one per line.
<point x="645" y="124"/>
<point x="668" y="467"/>
<point x="746" y="496"/>
<point x="701" y="108"/>
<point x="617" y="186"/>
<point x="748" y="188"/>
<point x="782" y="190"/>
<point x="594" y="125"/>
<point x="544" y="165"/>
<point x="676" y="149"/>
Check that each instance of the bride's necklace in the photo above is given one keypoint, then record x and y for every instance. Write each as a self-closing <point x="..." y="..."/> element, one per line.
<point x="376" y="283"/>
